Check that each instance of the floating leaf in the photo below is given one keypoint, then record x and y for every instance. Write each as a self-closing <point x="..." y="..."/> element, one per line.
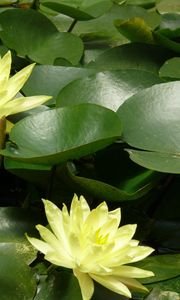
<point x="132" y="56"/>
<point x="78" y="9"/>
<point x="59" y="285"/>
<point x="102" y="190"/>
<point x="171" y="68"/>
<point x="150" y="118"/>
<point x="109" y="89"/>
<point x="49" y="80"/>
<point x="17" y="279"/>
<point x="167" y="6"/>
<point x="75" y="131"/>
<point x="162" y="162"/>
<point x="168" y="32"/>
<point x="136" y="30"/>
<point x="44" y="43"/>
<point x="163" y="266"/>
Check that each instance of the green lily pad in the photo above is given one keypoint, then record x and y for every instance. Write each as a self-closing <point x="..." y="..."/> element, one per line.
<point x="171" y="69"/>
<point x="59" y="285"/>
<point x="102" y="190"/>
<point x="132" y="56"/>
<point x="166" y="6"/>
<point x="49" y="80"/>
<point x="17" y="278"/>
<point x="150" y="118"/>
<point x="78" y="9"/>
<point x="109" y="89"/>
<point x="44" y="43"/>
<point x="162" y="162"/>
<point x="75" y="131"/>
<point x="163" y="266"/>
<point x="135" y="30"/>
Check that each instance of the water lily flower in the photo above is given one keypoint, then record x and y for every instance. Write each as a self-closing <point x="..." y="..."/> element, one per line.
<point x="10" y="86"/>
<point x="92" y="244"/>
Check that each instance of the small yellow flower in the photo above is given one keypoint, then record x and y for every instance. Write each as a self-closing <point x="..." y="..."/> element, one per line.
<point x="93" y="245"/>
<point x="10" y="86"/>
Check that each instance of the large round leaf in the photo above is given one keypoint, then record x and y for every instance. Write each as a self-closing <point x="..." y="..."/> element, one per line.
<point x="163" y="266"/>
<point x="104" y="25"/>
<point x="44" y="43"/>
<point x="49" y="80"/>
<point x="151" y="118"/>
<point x="166" y="6"/>
<point x="17" y="279"/>
<point x="54" y="136"/>
<point x="171" y="68"/>
<point x="135" y="30"/>
<point x="168" y="32"/>
<point x="162" y="162"/>
<point x="151" y="122"/>
<point x="78" y="9"/>
<point x="143" y="3"/>
<point x="101" y="189"/>
<point x="109" y="89"/>
<point x="59" y="285"/>
<point x="132" y="56"/>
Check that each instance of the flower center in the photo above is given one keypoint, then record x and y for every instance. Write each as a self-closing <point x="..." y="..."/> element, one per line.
<point x="101" y="239"/>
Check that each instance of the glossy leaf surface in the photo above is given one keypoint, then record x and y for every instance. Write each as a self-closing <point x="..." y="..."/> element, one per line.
<point x="132" y="56"/>
<point x="64" y="139"/>
<point x="51" y="79"/>
<point x="80" y="10"/>
<point x="109" y="89"/>
<point x="44" y="44"/>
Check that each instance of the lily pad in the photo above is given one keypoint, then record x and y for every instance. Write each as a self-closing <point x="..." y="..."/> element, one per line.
<point x="109" y="89"/>
<point x="36" y="139"/>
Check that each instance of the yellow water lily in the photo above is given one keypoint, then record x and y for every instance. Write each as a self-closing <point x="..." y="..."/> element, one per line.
<point x="10" y="86"/>
<point x="92" y="244"/>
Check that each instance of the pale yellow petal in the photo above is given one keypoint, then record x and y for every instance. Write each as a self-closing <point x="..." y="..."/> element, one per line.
<point x="139" y="253"/>
<point x="86" y="284"/>
<point x="133" y="284"/>
<point x="16" y="82"/>
<point x="75" y="248"/>
<point x="112" y="283"/>
<point x="125" y="255"/>
<point x="5" y="67"/>
<point x="39" y="245"/>
<point x="52" y="240"/>
<point x="84" y="207"/>
<point x="109" y="229"/>
<point x="59" y="253"/>
<point x="131" y="272"/>
<point x="115" y="214"/>
<point x="96" y="218"/>
<point x="55" y="258"/>
<point x="124" y="235"/>
<point x="54" y="217"/>
<point x="66" y="219"/>
<point x="76" y="215"/>
<point x="24" y="103"/>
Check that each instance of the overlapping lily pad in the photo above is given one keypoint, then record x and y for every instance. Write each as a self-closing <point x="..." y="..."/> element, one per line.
<point x="109" y="89"/>
<point x="44" y="44"/>
<point x="17" y="278"/>
<point x="78" y="9"/>
<point x="151" y="122"/>
<point x="49" y="80"/>
<point x="132" y="56"/>
<point x="75" y="131"/>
